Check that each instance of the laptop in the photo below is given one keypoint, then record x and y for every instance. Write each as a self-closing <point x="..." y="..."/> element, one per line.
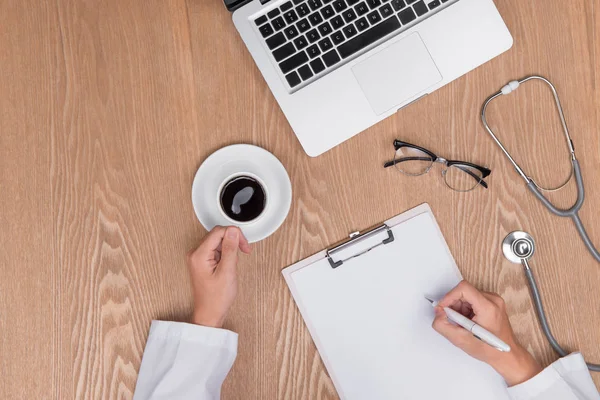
<point x="337" y="67"/>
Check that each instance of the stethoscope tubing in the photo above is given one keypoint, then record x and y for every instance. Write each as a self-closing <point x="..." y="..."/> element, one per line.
<point x="537" y="301"/>
<point x="572" y="212"/>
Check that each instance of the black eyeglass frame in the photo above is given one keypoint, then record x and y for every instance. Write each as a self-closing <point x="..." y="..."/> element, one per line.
<point x="485" y="172"/>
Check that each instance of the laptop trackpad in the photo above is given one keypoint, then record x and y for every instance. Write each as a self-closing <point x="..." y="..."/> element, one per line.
<point x="397" y="73"/>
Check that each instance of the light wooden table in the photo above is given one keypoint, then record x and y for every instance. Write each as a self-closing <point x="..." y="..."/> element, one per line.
<point x="107" y="108"/>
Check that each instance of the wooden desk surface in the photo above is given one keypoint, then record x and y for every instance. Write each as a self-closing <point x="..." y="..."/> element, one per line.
<point x="108" y="108"/>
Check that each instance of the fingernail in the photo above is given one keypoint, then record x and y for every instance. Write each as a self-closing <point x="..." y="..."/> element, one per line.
<point x="232" y="233"/>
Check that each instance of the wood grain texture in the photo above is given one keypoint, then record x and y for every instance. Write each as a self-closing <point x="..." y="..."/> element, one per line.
<point x="108" y="108"/>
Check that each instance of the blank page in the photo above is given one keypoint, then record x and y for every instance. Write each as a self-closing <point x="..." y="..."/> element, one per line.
<point x="372" y="325"/>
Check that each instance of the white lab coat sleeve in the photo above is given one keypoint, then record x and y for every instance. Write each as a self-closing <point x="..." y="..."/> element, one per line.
<point x="185" y="361"/>
<point x="566" y="379"/>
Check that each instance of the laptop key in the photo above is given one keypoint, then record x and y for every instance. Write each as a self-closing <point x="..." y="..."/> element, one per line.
<point x="273" y="13"/>
<point x="339" y="5"/>
<point x="337" y="22"/>
<point x="361" y="24"/>
<point x="313" y="36"/>
<point x="317" y="65"/>
<point x="296" y="2"/>
<point x="368" y="37"/>
<point x="313" y="51"/>
<point x="327" y="12"/>
<point x="349" y="15"/>
<point x="290" y="16"/>
<point x="420" y="8"/>
<point x="361" y="8"/>
<point x="325" y="29"/>
<point x="314" y="4"/>
<point x="291" y="32"/>
<point x="373" y="3"/>
<point x="266" y="30"/>
<point x="300" y="42"/>
<point x="325" y="44"/>
<point x="293" y="62"/>
<point x="407" y="16"/>
<point x="284" y="52"/>
<point x="338" y="37"/>
<point x="434" y="4"/>
<point x="260" y="20"/>
<point x="293" y="79"/>
<point x="331" y="58"/>
<point x="399" y="4"/>
<point x="351" y="2"/>
<point x="278" y="23"/>
<point x="374" y="17"/>
<point x="349" y="31"/>
<point x="302" y="10"/>
<point x="315" y="18"/>
<point x="303" y="25"/>
<point x="386" y="10"/>
<point x="305" y="72"/>
<point x="286" y="6"/>
<point x="275" y="40"/>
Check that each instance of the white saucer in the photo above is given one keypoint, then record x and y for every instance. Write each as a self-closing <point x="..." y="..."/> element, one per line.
<point x="235" y="159"/>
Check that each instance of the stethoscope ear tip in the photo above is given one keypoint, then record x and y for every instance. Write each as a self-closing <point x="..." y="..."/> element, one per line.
<point x="510" y="87"/>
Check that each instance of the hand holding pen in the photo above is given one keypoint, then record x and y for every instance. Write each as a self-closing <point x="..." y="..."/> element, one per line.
<point x="488" y="311"/>
<point x="477" y="330"/>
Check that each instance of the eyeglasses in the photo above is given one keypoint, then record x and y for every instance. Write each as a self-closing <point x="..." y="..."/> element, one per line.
<point x="460" y="176"/>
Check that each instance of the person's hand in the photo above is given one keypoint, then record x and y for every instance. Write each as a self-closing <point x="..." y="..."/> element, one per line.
<point x="213" y="271"/>
<point x="489" y="311"/>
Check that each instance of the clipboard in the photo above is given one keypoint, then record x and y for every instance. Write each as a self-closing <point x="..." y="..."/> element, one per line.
<point x="363" y="303"/>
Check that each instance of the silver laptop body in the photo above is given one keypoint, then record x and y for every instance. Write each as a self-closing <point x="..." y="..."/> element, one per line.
<point x="336" y="67"/>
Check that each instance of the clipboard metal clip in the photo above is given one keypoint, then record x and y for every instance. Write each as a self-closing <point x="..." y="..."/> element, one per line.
<point x="355" y="239"/>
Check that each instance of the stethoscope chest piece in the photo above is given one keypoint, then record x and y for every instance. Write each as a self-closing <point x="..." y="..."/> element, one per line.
<point x="518" y="246"/>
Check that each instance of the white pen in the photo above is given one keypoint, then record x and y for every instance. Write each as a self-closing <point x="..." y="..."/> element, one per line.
<point x="478" y="331"/>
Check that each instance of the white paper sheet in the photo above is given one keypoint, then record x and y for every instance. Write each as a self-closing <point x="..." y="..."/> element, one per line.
<point x="372" y="325"/>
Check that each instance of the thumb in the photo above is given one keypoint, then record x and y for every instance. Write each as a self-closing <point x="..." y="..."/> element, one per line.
<point x="456" y="335"/>
<point x="229" y="249"/>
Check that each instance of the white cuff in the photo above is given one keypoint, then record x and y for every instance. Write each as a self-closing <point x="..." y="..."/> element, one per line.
<point x="185" y="361"/>
<point x="552" y="380"/>
<point x="214" y="337"/>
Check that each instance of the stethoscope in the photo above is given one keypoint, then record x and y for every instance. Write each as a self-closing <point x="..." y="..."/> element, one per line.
<point x="518" y="247"/>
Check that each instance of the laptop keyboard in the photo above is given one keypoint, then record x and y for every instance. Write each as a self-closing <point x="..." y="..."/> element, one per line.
<point x="308" y="38"/>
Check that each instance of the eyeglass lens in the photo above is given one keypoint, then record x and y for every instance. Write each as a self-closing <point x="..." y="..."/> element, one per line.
<point x="411" y="161"/>
<point x="462" y="178"/>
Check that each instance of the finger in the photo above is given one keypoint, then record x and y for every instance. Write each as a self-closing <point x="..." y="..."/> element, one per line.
<point x="212" y="241"/>
<point x="467" y="293"/>
<point x="457" y="335"/>
<point x="462" y="307"/>
<point x="466" y="309"/>
<point x="244" y="245"/>
<point x="229" y="250"/>
<point x="205" y="254"/>
<point x="457" y="305"/>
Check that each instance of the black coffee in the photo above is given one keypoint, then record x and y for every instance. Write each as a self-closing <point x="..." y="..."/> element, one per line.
<point x="243" y="199"/>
